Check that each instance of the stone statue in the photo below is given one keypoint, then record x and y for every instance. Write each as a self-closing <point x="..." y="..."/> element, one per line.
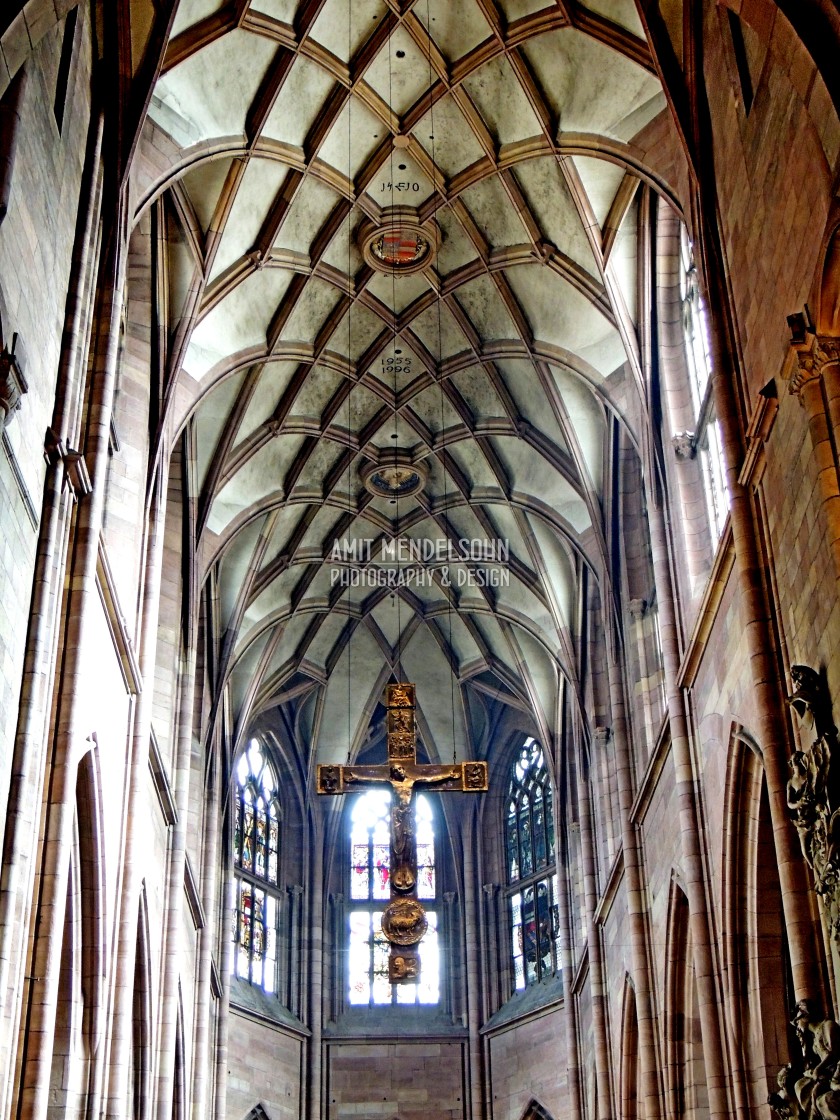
<point x="817" y="1090"/>
<point x="813" y="790"/>
<point x="785" y="1103"/>
<point x="810" y="699"/>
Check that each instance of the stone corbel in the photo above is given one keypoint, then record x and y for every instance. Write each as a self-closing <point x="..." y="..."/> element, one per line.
<point x="638" y="609"/>
<point x="12" y="382"/>
<point x="685" y="445"/>
<point x="76" y="476"/>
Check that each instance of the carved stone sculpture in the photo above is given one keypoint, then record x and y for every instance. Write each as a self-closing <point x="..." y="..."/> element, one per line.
<point x="813" y="790"/>
<point x="810" y="1089"/>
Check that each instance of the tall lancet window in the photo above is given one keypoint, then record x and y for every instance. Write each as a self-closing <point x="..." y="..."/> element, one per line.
<point x="370" y="890"/>
<point x="256" y="854"/>
<point x="529" y="825"/>
<point x="706" y="436"/>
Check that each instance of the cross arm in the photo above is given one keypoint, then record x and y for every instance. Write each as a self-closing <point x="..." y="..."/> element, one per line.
<point x="335" y="779"/>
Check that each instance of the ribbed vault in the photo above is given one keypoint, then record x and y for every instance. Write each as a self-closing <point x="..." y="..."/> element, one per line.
<point x="278" y="132"/>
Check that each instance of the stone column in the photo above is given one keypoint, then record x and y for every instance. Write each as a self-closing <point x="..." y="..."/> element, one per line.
<point x="168" y="1020"/>
<point x="593" y="939"/>
<point x="206" y="936"/>
<point x="339" y="938"/>
<point x="122" y="1022"/>
<point x="228" y="894"/>
<point x="692" y="841"/>
<point x="772" y="717"/>
<point x="30" y="753"/>
<point x="637" y="899"/>
<point x="492" y="922"/>
<point x="638" y="611"/>
<point x="564" y="945"/>
<point x="315" y="978"/>
<point x="473" y="977"/>
<point x="70" y="732"/>
<point x="295" y="896"/>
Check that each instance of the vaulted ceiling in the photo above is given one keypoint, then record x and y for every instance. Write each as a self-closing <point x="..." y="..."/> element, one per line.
<point x="285" y="133"/>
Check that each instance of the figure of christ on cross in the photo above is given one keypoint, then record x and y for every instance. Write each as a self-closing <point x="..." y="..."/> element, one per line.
<point x="404" y="921"/>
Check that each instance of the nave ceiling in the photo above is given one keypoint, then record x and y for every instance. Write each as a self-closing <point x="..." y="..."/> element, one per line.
<point x="284" y="133"/>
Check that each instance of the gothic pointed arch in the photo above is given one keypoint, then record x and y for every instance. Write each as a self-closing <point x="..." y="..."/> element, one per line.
<point x="754" y="939"/>
<point x="686" y="1082"/>
<point x="629" y="1068"/>
<point x="179" y="1091"/>
<point x="535" y="1111"/>
<point x="258" y="1112"/>
<point x="82" y="971"/>
<point x="141" y="1017"/>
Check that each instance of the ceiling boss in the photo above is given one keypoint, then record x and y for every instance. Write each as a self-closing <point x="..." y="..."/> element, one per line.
<point x="404" y="919"/>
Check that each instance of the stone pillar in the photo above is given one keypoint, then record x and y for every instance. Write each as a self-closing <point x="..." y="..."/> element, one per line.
<point x="119" y="1088"/>
<point x="638" y="611"/>
<point x="689" y="821"/>
<point x="771" y="730"/>
<point x="449" y="946"/>
<point x="650" y="1088"/>
<point x="228" y="894"/>
<point x="315" y="978"/>
<point x="492" y="926"/>
<point x="295" y="896"/>
<point x="564" y="945"/>
<point x="167" y="1032"/>
<point x="30" y="754"/>
<point x="204" y="995"/>
<point x="339" y="940"/>
<point x="70" y="732"/>
<point x="473" y="978"/>
<point x="593" y="939"/>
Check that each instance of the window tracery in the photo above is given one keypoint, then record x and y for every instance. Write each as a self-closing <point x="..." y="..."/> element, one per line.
<point x="529" y="832"/>
<point x="256" y="852"/>
<point x="367" y="956"/>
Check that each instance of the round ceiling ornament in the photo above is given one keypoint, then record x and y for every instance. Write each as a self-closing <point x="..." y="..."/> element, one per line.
<point x="400" y="243"/>
<point x="396" y="476"/>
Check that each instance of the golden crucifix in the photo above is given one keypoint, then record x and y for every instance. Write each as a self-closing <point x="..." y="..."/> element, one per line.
<point x="404" y="919"/>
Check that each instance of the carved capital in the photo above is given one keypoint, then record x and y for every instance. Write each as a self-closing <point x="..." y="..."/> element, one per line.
<point x="811" y="358"/>
<point x="491" y="890"/>
<point x="685" y="445"/>
<point x="601" y="735"/>
<point x="12" y="383"/>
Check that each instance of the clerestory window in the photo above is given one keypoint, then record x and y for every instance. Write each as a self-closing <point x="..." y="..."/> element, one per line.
<point x="532" y="869"/>
<point x="706" y="435"/>
<point x="256" y="839"/>
<point x="370" y="890"/>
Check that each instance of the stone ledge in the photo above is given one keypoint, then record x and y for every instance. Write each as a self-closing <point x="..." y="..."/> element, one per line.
<point x="401" y="1022"/>
<point x="534" y="1001"/>
<point x="256" y="1004"/>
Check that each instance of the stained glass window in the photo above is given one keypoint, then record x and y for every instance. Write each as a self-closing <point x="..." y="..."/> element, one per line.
<point x="370" y="889"/>
<point x="256" y="839"/>
<point x="529" y="831"/>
